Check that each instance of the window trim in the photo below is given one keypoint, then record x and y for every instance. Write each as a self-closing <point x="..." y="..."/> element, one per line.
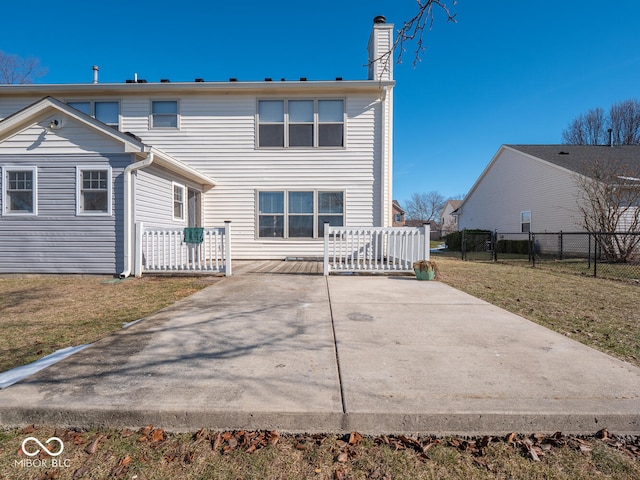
<point x="173" y="202"/>
<point x="316" y="124"/>
<point x="92" y="109"/>
<point x="286" y="214"/>
<point x="151" y="114"/>
<point x="5" y="170"/>
<point x="79" y="182"/>
<point x="523" y="223"/>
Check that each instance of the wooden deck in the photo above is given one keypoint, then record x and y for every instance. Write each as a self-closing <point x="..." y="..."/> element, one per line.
<point x="303" y="267"/>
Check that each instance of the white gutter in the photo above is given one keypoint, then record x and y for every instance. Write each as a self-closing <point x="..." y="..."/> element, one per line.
<point x="128" y="211"/>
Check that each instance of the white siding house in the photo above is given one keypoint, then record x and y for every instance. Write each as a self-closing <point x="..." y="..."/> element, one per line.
<point x="286" y="156"/>
<point x="534" y="187"/>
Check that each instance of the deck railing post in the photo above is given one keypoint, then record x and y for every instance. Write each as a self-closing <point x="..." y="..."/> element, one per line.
<point x="427" y="240"/>
<point x="326" y="249"/>
<point x="137" y="255"/>
<point x="227" y="248"/>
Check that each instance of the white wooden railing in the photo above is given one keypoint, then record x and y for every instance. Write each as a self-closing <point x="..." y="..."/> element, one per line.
<point x="371" y="249"/>
<point x="164" y="250"/>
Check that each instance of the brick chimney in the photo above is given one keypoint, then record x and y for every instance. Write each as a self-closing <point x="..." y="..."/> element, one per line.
<point x="380" y="46"/>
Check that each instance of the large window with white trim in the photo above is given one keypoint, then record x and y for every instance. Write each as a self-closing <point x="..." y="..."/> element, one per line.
<point x="94" y="191"/>
<point x="19" y="191"/>
<point x="298" y="213"/>
<point x="297" y="123"/>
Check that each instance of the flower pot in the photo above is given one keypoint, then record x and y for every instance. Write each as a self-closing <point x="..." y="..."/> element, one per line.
<point x="425" y="274"/>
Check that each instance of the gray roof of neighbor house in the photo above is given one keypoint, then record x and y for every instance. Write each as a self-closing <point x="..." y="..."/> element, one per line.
<point x="577" y="157"/>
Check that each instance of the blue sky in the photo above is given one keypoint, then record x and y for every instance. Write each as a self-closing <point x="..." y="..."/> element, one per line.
<point x="508" y="72"/>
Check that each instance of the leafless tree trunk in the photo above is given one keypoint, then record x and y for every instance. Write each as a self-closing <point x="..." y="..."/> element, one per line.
<point x="15" y="69"/>
<point x="609" y="201"/>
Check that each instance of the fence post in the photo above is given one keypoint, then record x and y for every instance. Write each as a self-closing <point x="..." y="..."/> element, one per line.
<point x="494" y="244"/>
<point x="137" y="255"/>
<point x="326" y="249"/>
<point x="227" y="248"/>
<point x="561" y="246"/>
<point x="589" y="251"/>
<point x="427" y="241"/>
<point x="596" y="246"/>
<point x="463" y="241"/>
<point x="532" y="236"/>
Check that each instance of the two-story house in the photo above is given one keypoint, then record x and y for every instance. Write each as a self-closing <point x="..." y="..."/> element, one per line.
<point x="82" y="164"/>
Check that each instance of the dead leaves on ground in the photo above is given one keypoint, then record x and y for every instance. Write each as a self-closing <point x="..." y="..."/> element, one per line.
<point x="344" y="450"/>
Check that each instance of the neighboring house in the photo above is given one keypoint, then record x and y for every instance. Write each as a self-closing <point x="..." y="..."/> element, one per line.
<point x="449" y="222"/>
<point x="534" y="187"/>
<point x="82" y="163"/>
<point x="398" y="214"/>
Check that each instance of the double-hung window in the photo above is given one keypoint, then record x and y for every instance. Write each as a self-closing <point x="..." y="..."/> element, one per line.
<point x="298" y="214"/>
<point x="525" y="222"/>
<point x="19" y="192"/>
<point x="94" y="191"/>
<point x="106" y="112"/>
<point x="179" y="194"/>
<point x="297" y="123"/>
<point x="164" y="114"/>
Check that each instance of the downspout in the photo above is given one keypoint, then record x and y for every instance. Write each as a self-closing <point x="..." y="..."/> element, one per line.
<point x="128" y="211"/>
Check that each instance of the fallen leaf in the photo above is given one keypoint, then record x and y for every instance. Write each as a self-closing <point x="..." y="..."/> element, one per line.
<point x="355" y="438"/>
<point x="29" y="429"/>
<point x="93" y="446"/>
<point x="157" y="435"/>
<point x="343" y="457"/>
<point x="125" y="433"/>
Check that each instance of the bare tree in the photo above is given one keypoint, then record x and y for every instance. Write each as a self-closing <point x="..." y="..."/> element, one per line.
<point x="586" y="129"/>
<point x="592" y="127"/>
<point x="624" y="120"/>
<point x="424" y="207"/>
<point x="609" y="201"/>
<point x="15" y="69"/>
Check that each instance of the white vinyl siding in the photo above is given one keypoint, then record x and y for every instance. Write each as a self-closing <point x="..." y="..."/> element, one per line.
<point x="515" y="182"/>
<point x="217" y="136"/>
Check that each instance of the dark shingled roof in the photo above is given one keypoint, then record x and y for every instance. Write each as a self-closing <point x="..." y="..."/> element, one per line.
<point x="577" y="157"/>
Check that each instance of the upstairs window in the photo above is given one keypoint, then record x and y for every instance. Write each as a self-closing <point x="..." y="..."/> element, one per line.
<point x="300" y="123"/>
<point x="107" y="112"/>
<point x="19" y="191"/>
<point x="94" y="191"/>
<point x="525" y="222"/>
<point x="164" y="114"/>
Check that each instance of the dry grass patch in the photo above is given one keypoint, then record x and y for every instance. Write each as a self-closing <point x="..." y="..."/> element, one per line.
<point x="41" y="314"/>
<point x="597" y="312"/>
<point x="152" y="453"/>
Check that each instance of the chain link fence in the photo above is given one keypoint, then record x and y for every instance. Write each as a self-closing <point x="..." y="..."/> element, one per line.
<point x="614" y="255"/>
